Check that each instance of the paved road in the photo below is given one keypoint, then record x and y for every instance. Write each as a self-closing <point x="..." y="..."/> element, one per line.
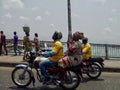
<point x="107" y="81"/>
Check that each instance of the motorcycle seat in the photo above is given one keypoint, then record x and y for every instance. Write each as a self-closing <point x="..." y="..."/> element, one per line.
<point x="96" y="59"/>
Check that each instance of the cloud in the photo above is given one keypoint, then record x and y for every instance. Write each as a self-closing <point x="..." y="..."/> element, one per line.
<point x="110" y="19"/>
<point x="114" y="10"/>
<point x="76" y="15"/>
<point x="23" y="18"/>
<point x="35" y="8"/>
<point x="8" y="15"/>
<point x="52" y="25"/>
<point x="107" y="29"/>
<point x="101" y="1"/>
<point x="47" y="13"/>
<point x="38" y="18"/>
<point x="12" y="4"/>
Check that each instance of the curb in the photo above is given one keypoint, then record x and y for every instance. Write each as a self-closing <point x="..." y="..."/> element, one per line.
<point x="8" y="64"/>
<point x="108" y="69"/>
<point x="4" y="64"/>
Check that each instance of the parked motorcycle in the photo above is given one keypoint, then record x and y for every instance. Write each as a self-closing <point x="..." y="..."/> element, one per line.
<point x="23" y="75"/>
<point x="92" y="67"/>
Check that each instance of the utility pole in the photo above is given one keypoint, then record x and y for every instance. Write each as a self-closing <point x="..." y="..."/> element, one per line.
<point x="69" y="21"/>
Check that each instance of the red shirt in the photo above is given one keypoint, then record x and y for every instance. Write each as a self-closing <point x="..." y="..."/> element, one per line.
<point x="2" y="39"/>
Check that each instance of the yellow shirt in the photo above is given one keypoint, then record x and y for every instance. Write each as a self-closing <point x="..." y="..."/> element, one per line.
<point x="58" y="49"/>
<point x="87" y="50"/>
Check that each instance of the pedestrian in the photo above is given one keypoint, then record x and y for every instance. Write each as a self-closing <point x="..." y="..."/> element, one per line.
<point x="36" y="43"/>
<point x="27" y="44"/>
<point x="53" y="56"/>
<point x="15" y="44"/>
<point x="3" y="43"/>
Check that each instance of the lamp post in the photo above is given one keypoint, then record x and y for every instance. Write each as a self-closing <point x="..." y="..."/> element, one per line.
<point x="69" y="21"/>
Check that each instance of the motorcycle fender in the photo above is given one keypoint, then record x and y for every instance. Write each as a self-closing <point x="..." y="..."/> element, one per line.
<point x="102" y="64"/>
<point x="24" y="66"/>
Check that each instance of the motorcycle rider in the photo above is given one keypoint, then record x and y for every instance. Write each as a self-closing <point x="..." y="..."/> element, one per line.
<point x="87" y="53"/>
<point x="53" y="56"/>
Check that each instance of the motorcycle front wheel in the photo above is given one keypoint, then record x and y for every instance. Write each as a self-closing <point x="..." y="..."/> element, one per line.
<point x="21" y="77"/>
<point x="94" y="71"/>
<point x="71" y="81"/>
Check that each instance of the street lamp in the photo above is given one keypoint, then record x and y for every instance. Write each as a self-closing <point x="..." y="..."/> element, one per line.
<point x="69" y="21"/>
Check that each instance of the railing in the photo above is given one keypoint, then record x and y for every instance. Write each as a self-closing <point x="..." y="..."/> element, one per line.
<point x="107" y="51"/>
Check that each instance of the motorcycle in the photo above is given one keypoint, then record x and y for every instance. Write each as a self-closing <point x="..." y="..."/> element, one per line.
<point x="98" y="61"/>
<point x="92" y="67"/>
<point x="23" y="75"/>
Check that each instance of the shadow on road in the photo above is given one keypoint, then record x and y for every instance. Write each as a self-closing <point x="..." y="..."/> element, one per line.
<point x="45" y="87"/>
<point x="89" y="79"/>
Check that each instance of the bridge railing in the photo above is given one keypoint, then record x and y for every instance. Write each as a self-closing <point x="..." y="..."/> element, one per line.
<point x="107" y="51"/>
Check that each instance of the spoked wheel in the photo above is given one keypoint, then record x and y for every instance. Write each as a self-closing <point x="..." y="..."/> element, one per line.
<point x="21" y="77"/>
<point x="94" y="71"/>
<point x="71" y="81"/>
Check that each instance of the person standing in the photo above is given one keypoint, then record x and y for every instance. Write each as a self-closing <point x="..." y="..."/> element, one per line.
<point x="3" y="43"/>
<point x="15" y="44"/>
<point x="36" y="42"/>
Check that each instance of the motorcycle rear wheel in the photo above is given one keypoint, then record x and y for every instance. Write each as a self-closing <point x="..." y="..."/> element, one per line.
<point x="71" y="81"/>
<point x="20" y="79"/>
<point x="94" y="71"/>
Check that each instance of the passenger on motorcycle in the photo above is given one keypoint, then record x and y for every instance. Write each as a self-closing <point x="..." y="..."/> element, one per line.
<point x="73" y="56"/>
<point x="53" y="56"/>
<point x="87" y="53"/>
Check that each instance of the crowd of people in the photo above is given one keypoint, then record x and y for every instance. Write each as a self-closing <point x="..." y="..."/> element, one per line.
<point x="27" y="44"/>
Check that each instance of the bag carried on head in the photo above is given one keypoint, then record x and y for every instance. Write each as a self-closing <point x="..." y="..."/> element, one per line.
<point x="26" y="29"/>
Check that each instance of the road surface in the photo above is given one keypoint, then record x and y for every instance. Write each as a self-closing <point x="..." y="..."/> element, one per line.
<point x="107" y="81"/>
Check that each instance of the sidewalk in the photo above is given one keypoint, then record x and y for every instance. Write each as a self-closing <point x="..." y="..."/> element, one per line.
<point x="11" y="61"/>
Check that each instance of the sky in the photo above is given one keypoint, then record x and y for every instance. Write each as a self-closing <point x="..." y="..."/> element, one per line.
<point x="99" y="20"/>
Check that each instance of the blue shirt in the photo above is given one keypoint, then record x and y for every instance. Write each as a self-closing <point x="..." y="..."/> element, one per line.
<point x="15" y="39"/>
